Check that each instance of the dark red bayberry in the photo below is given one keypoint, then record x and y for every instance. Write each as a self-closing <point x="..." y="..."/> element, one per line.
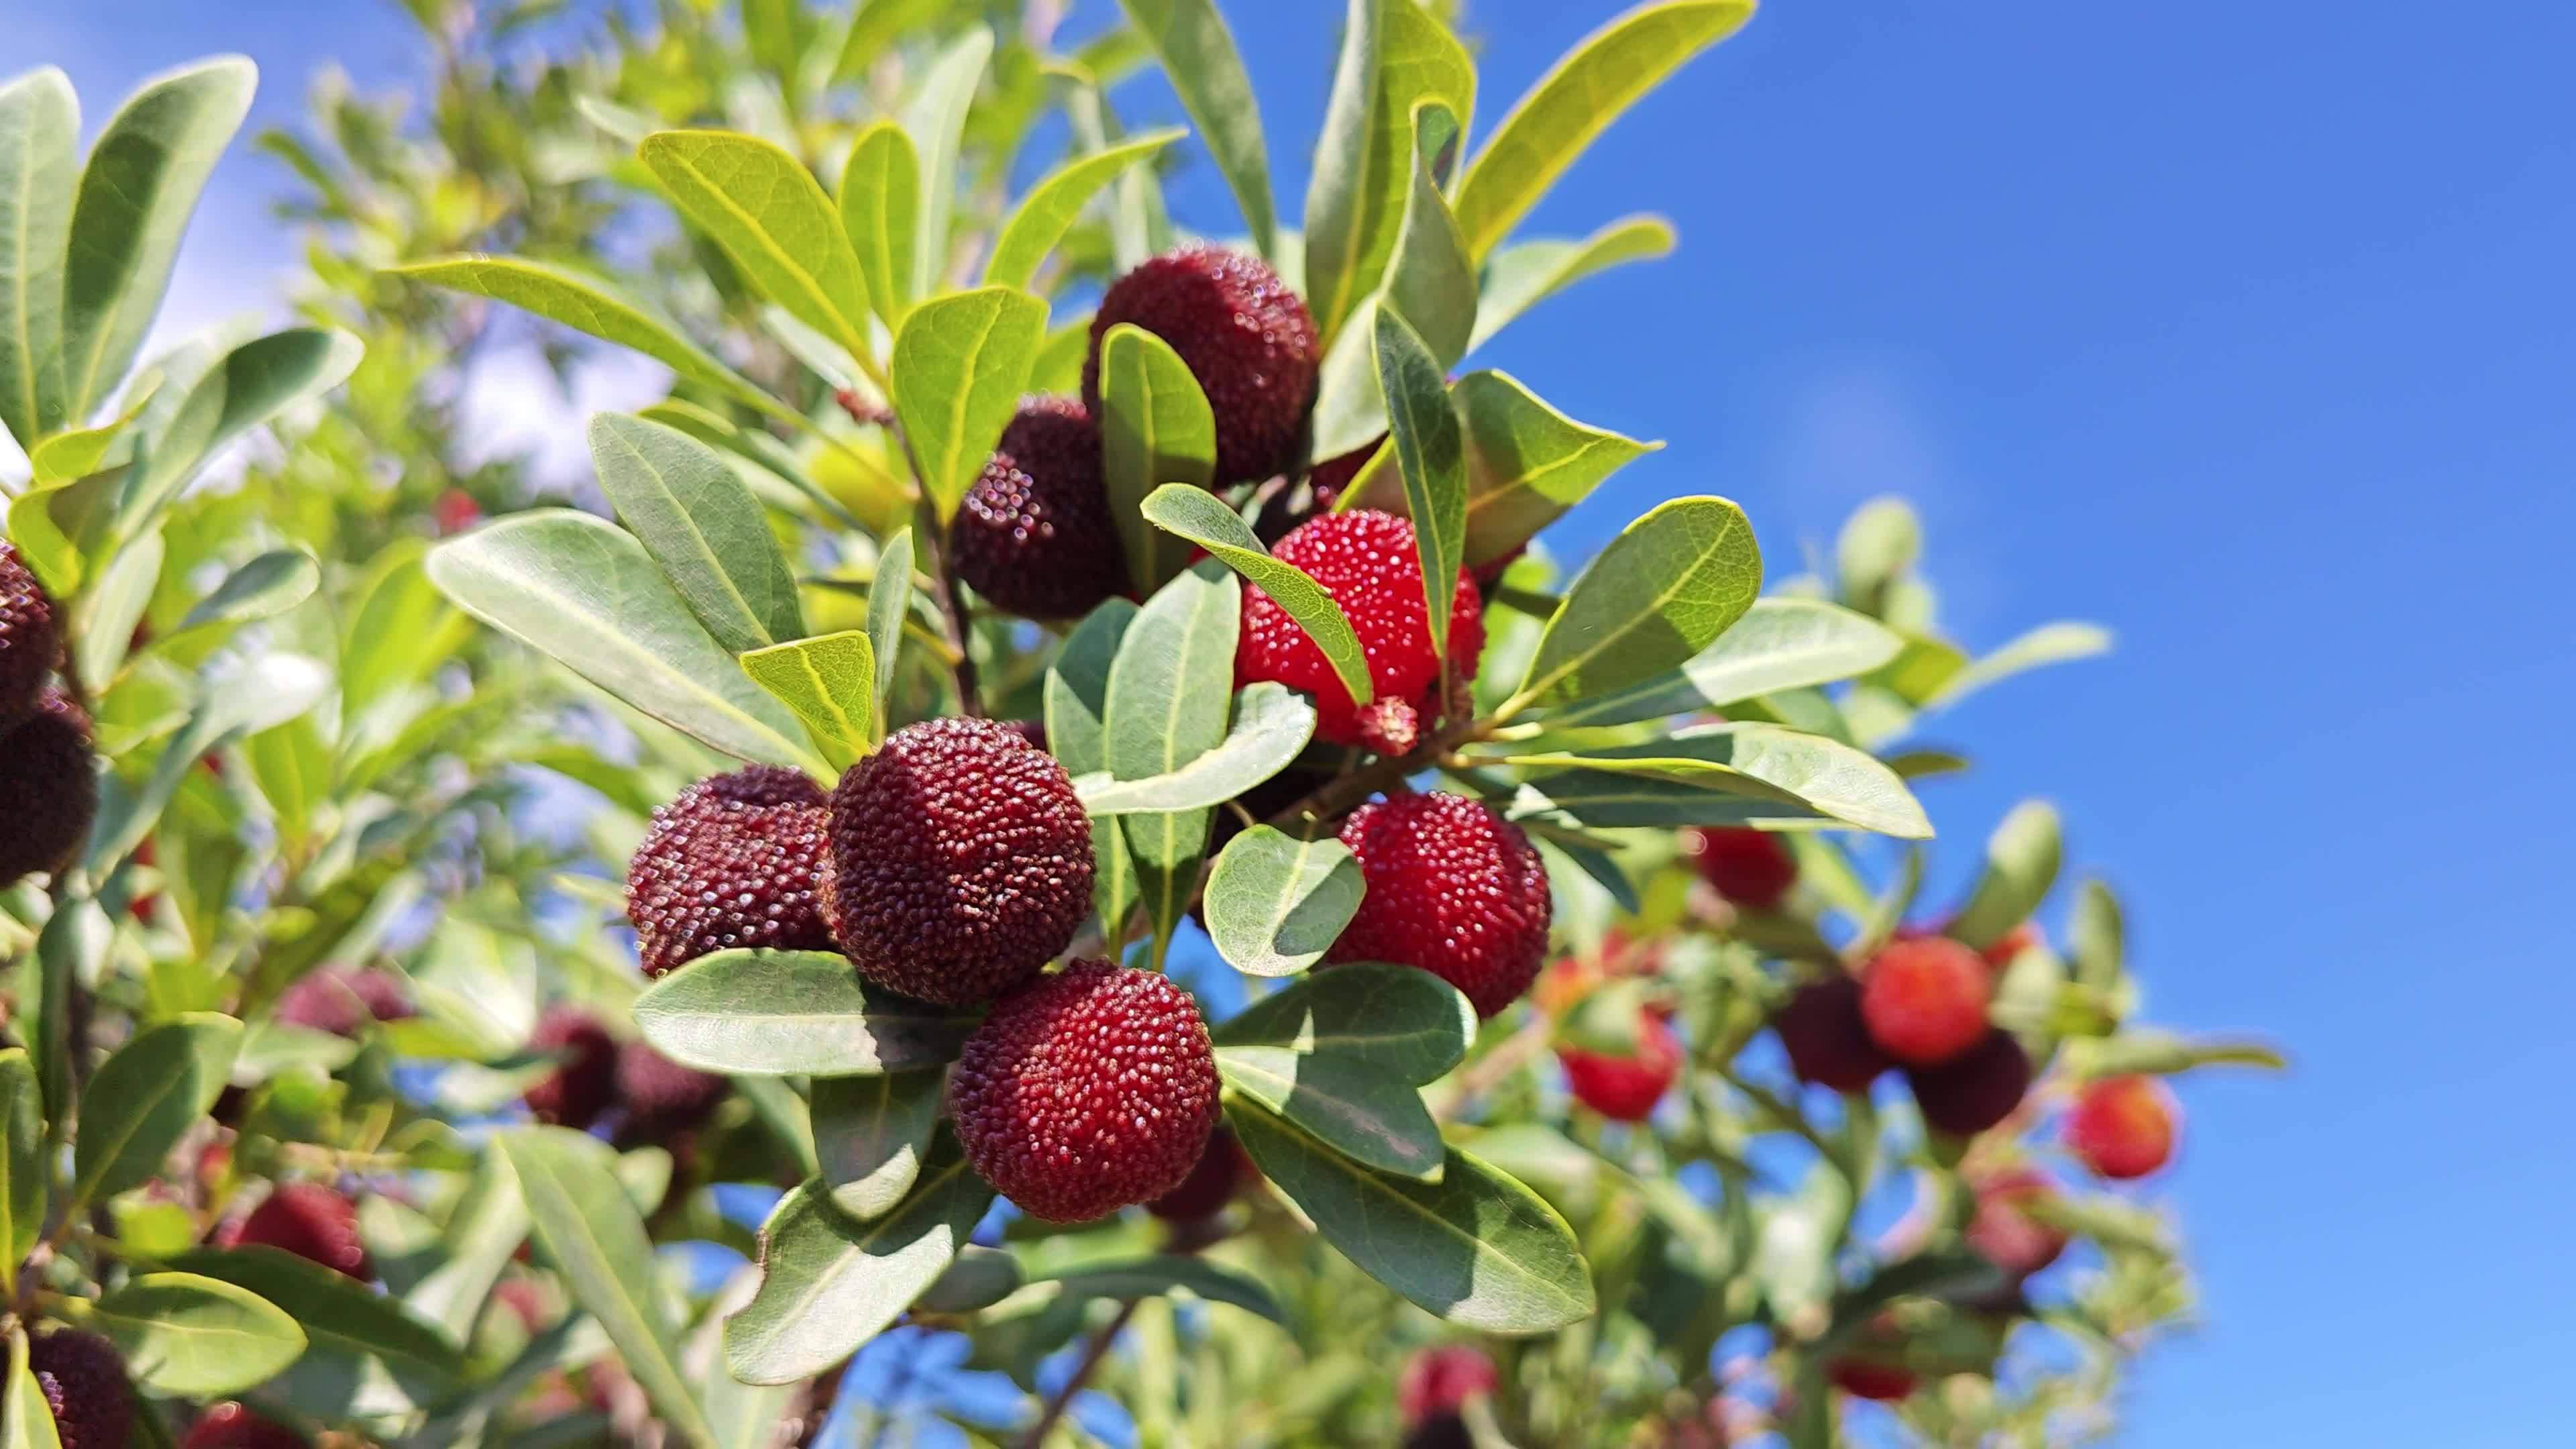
<point x="1441" y="1381"/>
<point x="1035" y="535"/>
<point x="734" y="863"/>
<point x="660" y="1095"/>
<point x="584" y="1083"/>
<point x="316" y="1223"/>
<point x="1925" y="999"/>
<point x="961" y="861"/>
<point x="1452" y="888"/>
<point x="1826" y="1037"/>
<point x="2123" y="1127"/>
<point x="1751" y="868"/>
<point x="1244" y="334"/>
<point x="48" y="788"/>
<point x="84" y="1382"/>
<point x="1367" y="562"/>
<point x="1222" y="1170"/>
<point x="1087" y="1091"/>
<point x="1975" y="1090"/>
<point x="1863" y="1379"/>
<point x="30" y="637"/>
<point x="2003" y="1229"/>
<point x="232" y="1426"/>
<point x="1626" y="1088"/>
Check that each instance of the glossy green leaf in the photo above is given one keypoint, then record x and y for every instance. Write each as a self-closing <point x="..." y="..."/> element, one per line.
<point x="1168" y="1276"/>
<point x="870" y="1134"/>
<point x="829" y="1282"/>
<point x="1431" y="451"/>
<point x="396" y="608"/>
<point x="1576" y="101"/>
<point x="487" y="1226"/>
<point x="145" y="1098"/>
<point x="263" y="588"/>
<point x="792" y="1013"/>
<point x="1476" y="1248"/>
<point x="1050" y="208"/>
<point x="1764" y="762"/>
<point x="338" y="1314"/>
<point x="1077" y="707"/>
<point x="1524" y="274"/>
<point x="137" y="191"/>
<point x="1190" y="512"/>
<point x="84" y="451"/>
<point x="39" y="128"/>
<point x="26" y="1420"/>
<point x="1527" y="463"/>
<point x="196" y="1337"/>
<point x="881" y="211"/>
<point x="2045" y="645"/>
<point x="702" y="526"/>
<point x="770" y="215"/>
<point x="1323" y="1075"/>
<point x="254" y="383"/>
<point x="1404" y="1022"/>
<point x="585" y="593"/>
<point x="58" y="529"/>
<point x="1206" y="71"/>
<point x="237" y="701"/>
<point x="2022" y="858"/>
<point x="1156" y="430"/>
<point x="1275" y="904"/>
<point x="960" y="365"/>
<point x="23" y="1174"/>
<point x="1430" y="282"/>
<point x="1660" y="593"/>
<point x="876" y="25"/>
<point x="936" y="117"/>
<point x="889" y="603"/>
<point x="830" y="681"/>
<point x="1167" y="705"/>
<point x="2163" y="1053"/>
<point x="1877" y="546"/>
<point x="1393" y="58"/>
<point x="1778" y="644"/>
<point x="586" y="1223"/>
<point x="1272" y="724"/>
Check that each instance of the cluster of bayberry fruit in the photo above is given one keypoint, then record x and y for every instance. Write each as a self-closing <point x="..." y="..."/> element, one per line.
<point x="48" y="792"/>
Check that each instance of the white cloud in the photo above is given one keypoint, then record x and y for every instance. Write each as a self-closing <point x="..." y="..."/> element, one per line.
<point x="514" y="407"/>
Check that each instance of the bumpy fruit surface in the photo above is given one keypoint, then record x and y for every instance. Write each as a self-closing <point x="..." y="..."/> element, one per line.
<point x="1222" y="1171"/>
<point x="2003" y="1228"/>
<point x="660" y="1095"/>
<point x="1035" y="535"/>
<point x="1626" y="1088"/>
<point x="2123" y="1127"/>
<point x="1865" y="1380"/>
<point x="1975" y="1090"/>
<point x="1925" y="999"/>
<point x="29" y="638"/>
<point x="1367" y="562"/>
<point x="84" y="1382"/>
<point x="316" y="1223"/>
<point x="233" y="1426"/>
<point x="48" y="788"/>
<point x="343" y="1002"/>
<point x="961" y="861"/>
<point x="1827" y="1039"/>
<point x="1244" y="334"/>
<point x="1442" y="1380"/>
<point x="584" y="1083"/>
<point x="1087" y="1091"/>
<point x="1452" y="888"/>
<point x="734" y="862"/>
<point x="1751" y="868"/>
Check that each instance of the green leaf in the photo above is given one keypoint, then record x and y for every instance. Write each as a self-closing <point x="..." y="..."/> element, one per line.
<point x="792" y="1013"/>
<point x="1349" y="1072"/>
<point x="1476" y="1248"/>
<point x="830" y="681"/>
<point x="1527" y="463"/>
<point x="58" y="529"/>
<point x="2022" y="857"/>
<point x="338" y="1313"/>
<point x="1156" y="429"/>
<point x="1167" y="705"/>
<point x="22" y="1155"/>
<point x="1077" y="706"/>
<point x="770" y="215"/>
<point x="881" y="211"/>
<point x="870" y="1134"/>
<point x="1206" y="72"/>
<point x="585" y="1222"/>
<point x="145" y="1098"/>
<point x="2162" y="1053"/>
<point x="26" y="1419"/>
<point x="1272" y="724"/>
<point x="396" y="608"/>
<point x="1779" y="774"/>
<point x="1275" y="904"/>
<point x="485" y="1229"/>
<point x="1050" y="208"/>
<point x="588" y="305"/>
<point x="889" y="602"/>
<point x="137" y="192"/>
<point x="2098" y="937"/>
<point x="107" y="614"/>
<point x="1191" y="512"/>
<point x="39" y="125"/>
<point x="1778" y="644"/>
<point x="1576" y="101"/>
<point x="1430" y="450"/>
<point x="1660" y="593"/>
<point x="1139" y="224"/>
<point x="1394" y="57"/>
<point x="876" y="25"/>
<point x="1524" y="274"/>
<point x="2045" y="645"/>
<point x="980" y="1278"/>
<point x="1167" y="1276"/>
<point x="960" y="365"/>
<point x="84" y="451"/>
<point x="247" y="700"/>
<point x="1877" y="546"/>
<point x="196" y="1337"/>
<point x="255" y="382"/>
<point x="829" y="1283"/>
<point x="700" y="522"/>
<point x="937" y="113"/>
<point x="583" y="592"/>
<point x="1430" y="282"/>
<point x="263" y="588"/>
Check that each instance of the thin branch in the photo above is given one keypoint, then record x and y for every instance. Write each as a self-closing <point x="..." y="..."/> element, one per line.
<point x="1092" y="1354"/>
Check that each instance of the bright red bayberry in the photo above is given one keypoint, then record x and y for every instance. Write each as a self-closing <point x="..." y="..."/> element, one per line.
<point x="1441" y="1381"/>
<point x="1035" y="535"/>
<point x="1244" y="334"/>
<point x="584" y="1084"/>
<point x="316" y="1223"/>
<point x="2010" y="944"/>
<point x="961" y="861"/>
<point x="84" y="1382"/>
<point x="1366" y="560"/>
<point x="735" y="862"/>
<point x="1974" y="1090"/>
<point x="1751" y="868"/>
<point x="1827" y="1039"/>
<point x="1925" y="999"/>
<point x="48" y="788"/>
<point x="1863" y="1379"/>
<point x="2123" y="1127"/>
<point x="1223" y="1169"/>
<point x="1626" y="1088"/>
<point x="1452" y="888"/>
<point x="233" y="1426"/>
<point x="30" y="637"/>
<point x="2003" y="1229"/>
<point x="1087" y="1091"/>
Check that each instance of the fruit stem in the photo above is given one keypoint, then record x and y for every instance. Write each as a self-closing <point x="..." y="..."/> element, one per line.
<point x="932" y="544"/>
<point x="1092" y="1354"/>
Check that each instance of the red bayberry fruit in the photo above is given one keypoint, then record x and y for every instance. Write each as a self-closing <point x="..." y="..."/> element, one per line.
<point x="1751" y="868"/>
<point x="232" y="1426"/>
<point x="2010" y="944"/>
<point x="735" y="862"/>
<point x="48" y="788"/>
<point x="1035" y="535"/>
<point x="1925" y="999"/>
<point x="1626" y="1089"/>
<point x="1222" y="1171"/>
<point x="2003" y="1228"/>
<point x="584" y="1083"/>
<point x="1086" y="1091"/>
<point x="1454" y="889"/>
<point x="1366" y="561"/>
<point x="1863" y="1379"/>
<point x="1244" y="334"/>
<point x="1974" y="1090"/>
<point x="961" y="861"/>
<point x="84" y="1382"/>
<point x="661" y="1096"/>
<point x="1826" y="1037"/>
<point x="316" y="1223"/>
<point x="341" y="1002"/>
<point x="1441" y="1381"/>
<point x="30" y="637"/>
<point x="455" y="511"/>
<point x="2123" y="1127"/>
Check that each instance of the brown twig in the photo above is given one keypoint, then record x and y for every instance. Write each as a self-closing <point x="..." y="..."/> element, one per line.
<point x="1092" y="1354"/>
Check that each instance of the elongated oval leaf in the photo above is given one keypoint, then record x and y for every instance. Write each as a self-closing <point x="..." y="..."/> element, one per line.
<point x="2022" y="858"/>
<point x="1527" y="463"/>
<point x="1401" y="1020"/>
<point x="145" y="1098"/>
<point x="960" y="365"/>
<point x="39" y="127"/>
<point x="26" y="1420"/>
<point x="770" y="215"/>
<point x="1168" y="1276"/>
<point x="1394" y="56"/>
<point x="1156" y="429"/>
<point x="1275" y="904"/>
<point x="1077" y="708"/>
<point x="266" y="586"/>
<point x="937" y="115"/>
<point x="889" y="603"/>
<point x="1051" y="206"/>
<point x="1430" y="282"/>
<point x="1659" y="594"/>
<point x="255" y="382"/>
<point x="1576" y="101"/>
<point x="1524" y="274"/>
<point x="2048" y="644"/>
<point x="195" y="1336"/>
<point x="881" y="211"/>
<point x="1271" y="727"/>
<point x="830" y="682"/>
<point x="701" y="524"/>
<point x="870" y="1134"/>
<point x="1207" y="73"/>
<point x="1167" y="705"/>
<point x="1430" y="450"/>
<point x="22" y="1153"/>
<point x="584" y="592"/>
<point x="1476" y="1247"/>
<point x="792" y="1013"/>
<point x="1821" y="777"/>
<point x="1778" y="644"/>
<point x="1199" y="516"/>
<point x="338" y="1313"/>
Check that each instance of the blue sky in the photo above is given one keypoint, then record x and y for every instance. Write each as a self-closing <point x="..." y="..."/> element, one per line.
<point x="2251" y="337"/>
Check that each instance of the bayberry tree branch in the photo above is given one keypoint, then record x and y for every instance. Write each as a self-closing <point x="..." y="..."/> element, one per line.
<point x="1062" y="1398"/>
